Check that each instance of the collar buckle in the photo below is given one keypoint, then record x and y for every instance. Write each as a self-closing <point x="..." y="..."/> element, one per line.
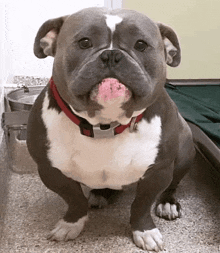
<point x="133" y="126"/>
<point x="107" y="133"/>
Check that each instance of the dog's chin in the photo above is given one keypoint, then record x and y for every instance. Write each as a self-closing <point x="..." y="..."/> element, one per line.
<point x="110" y="95"/>
<point x="106" y="115"/>
<point x="99" y="119"/>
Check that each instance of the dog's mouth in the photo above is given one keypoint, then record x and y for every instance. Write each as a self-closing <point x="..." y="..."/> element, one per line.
<point x="109" y="91"/>
<point x="109" y="101"/>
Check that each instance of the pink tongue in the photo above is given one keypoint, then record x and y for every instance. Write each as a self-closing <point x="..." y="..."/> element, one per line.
<point x="111" y="88"/>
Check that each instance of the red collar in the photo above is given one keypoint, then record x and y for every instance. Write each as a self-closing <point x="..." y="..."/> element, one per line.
<point x="85" y="127"/>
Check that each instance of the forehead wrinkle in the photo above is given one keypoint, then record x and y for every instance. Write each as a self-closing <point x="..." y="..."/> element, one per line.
<point x="89" y="31"/>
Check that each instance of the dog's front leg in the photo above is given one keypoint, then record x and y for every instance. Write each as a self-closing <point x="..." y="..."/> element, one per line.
<point x="154" y="182"/>
<point x="74" y="220"/>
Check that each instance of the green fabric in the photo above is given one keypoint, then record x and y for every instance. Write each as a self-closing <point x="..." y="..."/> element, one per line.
<point x="199" y="104"/>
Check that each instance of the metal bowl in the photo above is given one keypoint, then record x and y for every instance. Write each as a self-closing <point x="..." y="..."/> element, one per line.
<point x="23" y="98"/>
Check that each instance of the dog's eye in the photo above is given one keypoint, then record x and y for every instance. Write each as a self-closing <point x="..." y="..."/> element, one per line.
<point x="140" y="45"/>
<point x="85" y="43"/>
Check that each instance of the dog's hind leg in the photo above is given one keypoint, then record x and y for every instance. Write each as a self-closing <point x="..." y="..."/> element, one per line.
<point x="99" y="198"/>
<point x="167" y="206"/>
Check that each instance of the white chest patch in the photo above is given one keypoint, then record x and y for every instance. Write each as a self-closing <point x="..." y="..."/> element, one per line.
<point x="100" y="163"/>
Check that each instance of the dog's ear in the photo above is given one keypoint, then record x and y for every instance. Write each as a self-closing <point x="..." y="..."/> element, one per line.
<point x="46" y="38"/>
<point x="172" y="46"/>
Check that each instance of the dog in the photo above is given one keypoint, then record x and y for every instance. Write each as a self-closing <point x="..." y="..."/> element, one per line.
<point x="105" y="120"/>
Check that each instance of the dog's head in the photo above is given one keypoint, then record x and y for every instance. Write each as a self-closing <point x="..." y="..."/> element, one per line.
<point x="108" y="65"/>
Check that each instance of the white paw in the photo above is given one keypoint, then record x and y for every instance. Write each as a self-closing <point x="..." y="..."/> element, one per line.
<point x="65" y="231"/>
<point x="97" y="201"/>
<point x="168" y="211"/>
<point x="149" y="239"/>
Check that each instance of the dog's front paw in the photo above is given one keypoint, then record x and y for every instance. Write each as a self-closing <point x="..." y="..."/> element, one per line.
<point x="169" y="211"/>
<point x="149" y="239"/>
<point x="65" y="231"/>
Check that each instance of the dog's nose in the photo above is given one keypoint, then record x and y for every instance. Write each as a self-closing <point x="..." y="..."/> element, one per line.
<point x="111" y="57"/>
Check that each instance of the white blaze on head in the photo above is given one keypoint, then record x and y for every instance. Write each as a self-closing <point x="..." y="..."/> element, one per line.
<point x="111" y="22"/>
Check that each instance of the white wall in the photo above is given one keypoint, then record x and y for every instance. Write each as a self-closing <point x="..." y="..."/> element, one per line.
<point x="23" y="19"/>
<point x="2" y="65"/>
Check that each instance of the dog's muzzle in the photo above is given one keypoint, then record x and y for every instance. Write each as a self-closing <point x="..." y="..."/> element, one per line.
<point x="86" y="128"/>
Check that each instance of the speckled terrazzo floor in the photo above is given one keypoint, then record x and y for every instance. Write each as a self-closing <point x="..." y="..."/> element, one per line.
<point x="31" y="211"/>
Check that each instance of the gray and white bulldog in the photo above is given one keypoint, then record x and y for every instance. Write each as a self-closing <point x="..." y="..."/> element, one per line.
<point x="105" y="120"/>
